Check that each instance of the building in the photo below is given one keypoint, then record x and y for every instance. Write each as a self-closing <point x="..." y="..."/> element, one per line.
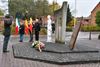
<point x="93" y="14"/>
<point x="85" y="20"/>
<point x="92" y="18"/>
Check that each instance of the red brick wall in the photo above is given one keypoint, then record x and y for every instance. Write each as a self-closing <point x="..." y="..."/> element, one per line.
<point x="93" y="14"/>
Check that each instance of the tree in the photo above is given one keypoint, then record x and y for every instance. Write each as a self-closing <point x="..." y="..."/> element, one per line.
<point x="53" y="7"/>
<point x="21" y="6"/>
<point x="69" y="15"/>
<point x="46" y="9"/>
<point x="71" y="23"/>
<point x="1" y="12"/>
<point x="34" y="7"/>
<point x="98" y="20"/>
<point x="42" y="7"/>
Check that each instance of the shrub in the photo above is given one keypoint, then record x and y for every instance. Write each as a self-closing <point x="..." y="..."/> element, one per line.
<point x="90" y="28"/>
<point x="43" y="31"/>
<point x="69" y="28"/>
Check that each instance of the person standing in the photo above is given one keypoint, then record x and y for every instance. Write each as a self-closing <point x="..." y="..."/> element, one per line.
<point x="21" y="30"/>
<point x="31" y="27"/>
<point x="7" y="32"/>
<point x="53" y="26"/>
<point x="37" y="29"/>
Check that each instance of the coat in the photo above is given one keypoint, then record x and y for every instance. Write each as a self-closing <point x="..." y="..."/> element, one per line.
<point x="7" y="28"/>
<point x="21" y="29"/>
<point x="37" y="26"/>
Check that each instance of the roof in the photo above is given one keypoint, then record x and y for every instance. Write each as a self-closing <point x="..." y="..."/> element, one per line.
<point x="95" y="7"/>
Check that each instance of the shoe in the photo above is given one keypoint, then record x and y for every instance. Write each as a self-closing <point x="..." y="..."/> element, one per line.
<point x="5" y="51"/>
<point x="20" y="41"/>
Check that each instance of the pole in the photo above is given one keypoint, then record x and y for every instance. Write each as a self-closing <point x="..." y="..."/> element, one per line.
<point x="75" y="14"/>
<point x="90" y="30"/>
<point x="8" y="6"/>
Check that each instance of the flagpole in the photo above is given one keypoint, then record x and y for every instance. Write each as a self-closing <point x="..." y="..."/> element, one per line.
<point x="53" y="6"/>
<point x="75" y="14"/>
<point x="8" y="6"/>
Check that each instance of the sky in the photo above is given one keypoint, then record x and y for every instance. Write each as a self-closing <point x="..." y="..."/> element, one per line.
<point x="83" y="7"/>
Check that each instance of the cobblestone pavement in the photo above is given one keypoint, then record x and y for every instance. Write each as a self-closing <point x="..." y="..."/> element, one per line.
<point x="7" y="60"/>
<point x="55" y="54"/>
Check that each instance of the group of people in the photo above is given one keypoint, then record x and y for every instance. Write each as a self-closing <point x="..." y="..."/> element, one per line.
<point x="7" y="30"/>
<point x="35" y="27"/>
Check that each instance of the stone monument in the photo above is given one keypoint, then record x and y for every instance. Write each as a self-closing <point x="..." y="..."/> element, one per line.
<point x="60" y="23"/>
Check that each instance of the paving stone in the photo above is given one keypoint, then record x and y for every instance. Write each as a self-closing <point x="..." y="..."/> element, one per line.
<point x="24" y="50"/>
<point x="64" y="48"/>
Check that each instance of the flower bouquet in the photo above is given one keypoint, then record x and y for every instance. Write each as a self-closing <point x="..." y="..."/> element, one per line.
<point x="38" y="45"/>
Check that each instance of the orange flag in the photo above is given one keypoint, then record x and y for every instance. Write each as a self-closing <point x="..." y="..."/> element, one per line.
<point x="30" y="26"/>
<point x="26" y="27"/>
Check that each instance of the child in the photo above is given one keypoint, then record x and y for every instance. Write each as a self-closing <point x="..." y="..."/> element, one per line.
<point x="38" y="45"/>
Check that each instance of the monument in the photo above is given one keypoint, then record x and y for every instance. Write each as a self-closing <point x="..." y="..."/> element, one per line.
<point x="60" y="23"/>
<point x="49" y="29"/>
<point x="57" y="52"/>
<point x="75" y="34"/>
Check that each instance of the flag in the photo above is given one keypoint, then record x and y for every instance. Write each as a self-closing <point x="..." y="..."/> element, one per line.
<point x="26" y="27"/>
<point x="17" y="25"/>
<point x="30" y="26"/>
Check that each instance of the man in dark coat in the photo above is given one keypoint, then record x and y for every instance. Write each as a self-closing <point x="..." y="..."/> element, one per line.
<point x="53" y="27"/>
<point x="6" y="33"/>
<point x="21" y="30"/>
<point x="37" y="29"/>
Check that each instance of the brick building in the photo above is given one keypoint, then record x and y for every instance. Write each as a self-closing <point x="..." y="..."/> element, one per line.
<point x="92" y="18"/>
<point x="93" y="13"/>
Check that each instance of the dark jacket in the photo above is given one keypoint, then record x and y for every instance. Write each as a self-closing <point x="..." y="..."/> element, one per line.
<point x="53" y="27"/>
<point x="7" y="28"/>
<point x="21" y="29"/>
<point x="37" y="26"/>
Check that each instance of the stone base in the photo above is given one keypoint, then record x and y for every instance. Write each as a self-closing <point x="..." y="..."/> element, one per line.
<point x="57" y="41"/>
<point x="56" y="53"/>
